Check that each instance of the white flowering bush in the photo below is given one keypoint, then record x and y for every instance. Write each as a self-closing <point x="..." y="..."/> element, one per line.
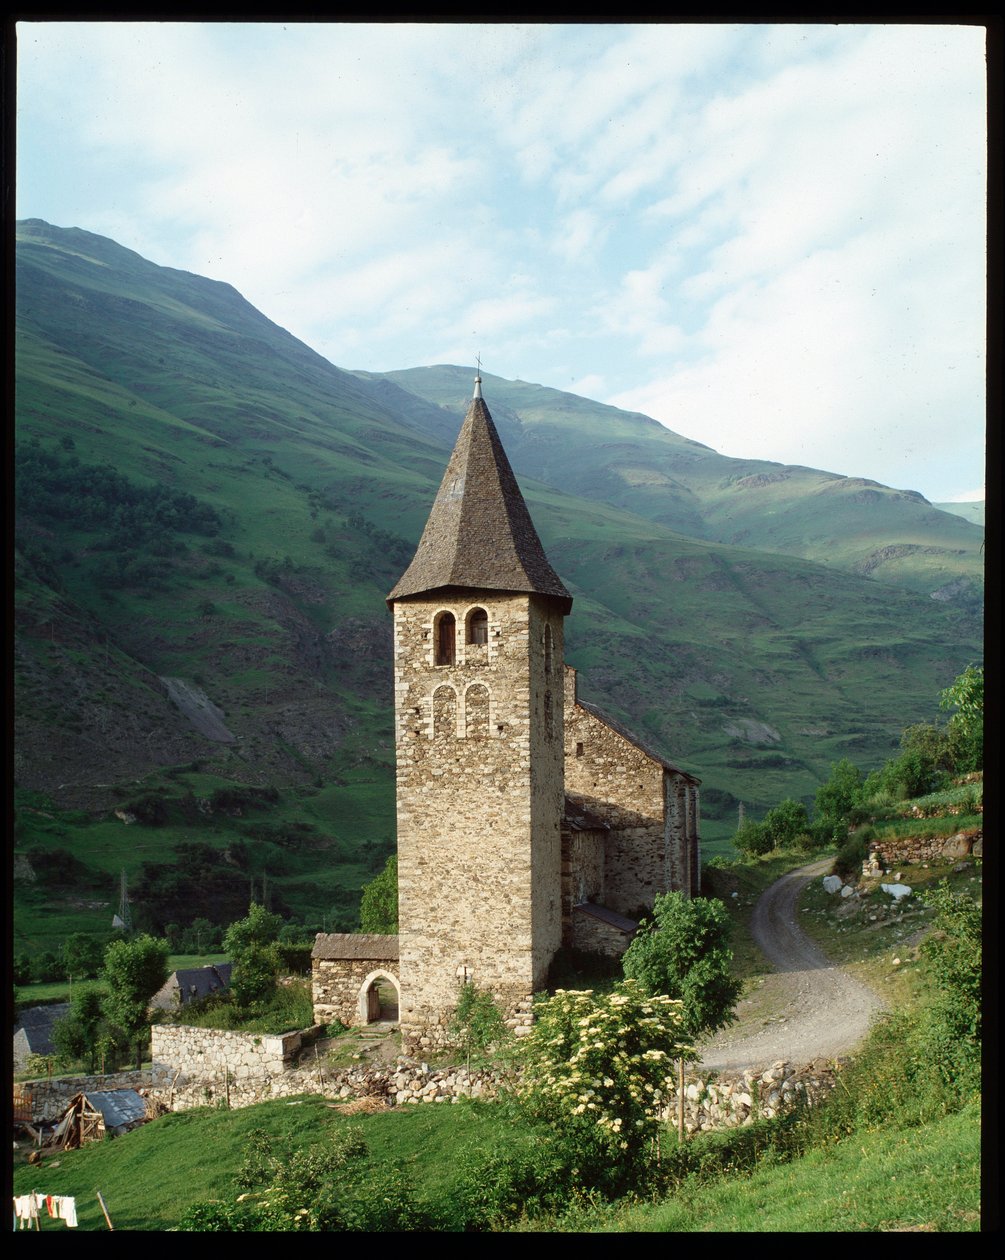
<point x="602" y="1065"/>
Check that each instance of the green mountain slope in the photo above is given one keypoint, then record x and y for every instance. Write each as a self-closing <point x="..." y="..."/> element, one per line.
<point x="209" y="516"/>
<point x="632" y="461"/>
<point x="972" y="512"/>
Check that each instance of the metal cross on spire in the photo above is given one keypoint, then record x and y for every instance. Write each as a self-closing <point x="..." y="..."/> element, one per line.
<point x="478" y="377"/>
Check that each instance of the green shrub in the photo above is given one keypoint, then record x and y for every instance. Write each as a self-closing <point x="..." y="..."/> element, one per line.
<point x="598" y="1069"/>
<point x="840" y="795"/>
<point x="951" y="1031"/>
<point x="477" y="1024"/>
<point x="785" y="823"/>
<point x="853" y="852"/>
<point x="752" y="838"/>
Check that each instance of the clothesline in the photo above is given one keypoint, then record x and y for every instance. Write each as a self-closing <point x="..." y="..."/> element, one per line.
<point x="28" y="1207"/>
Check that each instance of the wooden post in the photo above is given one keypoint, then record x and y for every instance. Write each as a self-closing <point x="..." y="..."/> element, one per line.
<point x="105" y="1210"/>
<point x="680" y="1100"/>
<point x="317" y="1060"/>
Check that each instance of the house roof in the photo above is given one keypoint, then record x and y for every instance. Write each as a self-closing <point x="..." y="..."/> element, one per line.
<point x="192" y="983"/>
<point x="36" y="1023"/>
<point x="578" y="818"/>
<point x="479" y="534"/>
<point x="641" y="744"/>
<point x="362" y="946"/>
<point x="118" y="1106"/>
<point x="611" y="917"/>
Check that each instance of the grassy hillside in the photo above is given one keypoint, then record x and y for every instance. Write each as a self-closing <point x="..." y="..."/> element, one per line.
<point x="915" y="1166"/>
<point x="973" y="512"/>
<point x="209" y="516"/>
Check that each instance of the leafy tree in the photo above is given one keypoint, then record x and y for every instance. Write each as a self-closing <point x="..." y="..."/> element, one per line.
<point x="599" y="1067"/>
<point x="378" y="908"/>
<point x="477" y="1023"/>
<point x="251" y="944"/>
<point x="922" y="766"/>
<point x="752" y="838"/>
<point x="22" y="969"/>
<point x="683" y="952"/>
<point x="81" y="955"/>
<point x="77" y="1034"/>
<point x="48" y="967"/>
<point x="134" y="971"/>
<point x="966" y="726"/>
<point x="841" y="795"/>
<point x="784" y="824"/>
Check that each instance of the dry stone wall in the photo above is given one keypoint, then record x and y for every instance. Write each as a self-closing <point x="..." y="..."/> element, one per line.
<point x="50" y="1097"/>
<point x="918" y="850"/>
<point x="710" y="1102"/>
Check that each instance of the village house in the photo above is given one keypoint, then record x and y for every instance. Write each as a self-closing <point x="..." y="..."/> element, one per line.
<point x="527" y="820"/>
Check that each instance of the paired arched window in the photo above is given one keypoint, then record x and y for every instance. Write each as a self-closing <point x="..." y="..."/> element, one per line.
<point x="476" y="712"/>
<point x="445" y="639"/>
<point x="444" y="712"/>
<point x="478" y="626"/>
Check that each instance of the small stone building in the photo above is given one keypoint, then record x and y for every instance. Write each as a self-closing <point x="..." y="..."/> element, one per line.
<point x="526" y="819"/>
<point x="347" y="974"/>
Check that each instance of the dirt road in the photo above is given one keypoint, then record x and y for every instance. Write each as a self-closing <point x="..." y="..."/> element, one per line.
<point x="808" y="1009"/>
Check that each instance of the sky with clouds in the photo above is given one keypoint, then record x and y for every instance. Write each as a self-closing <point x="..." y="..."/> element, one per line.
<point x="771" y="238"/>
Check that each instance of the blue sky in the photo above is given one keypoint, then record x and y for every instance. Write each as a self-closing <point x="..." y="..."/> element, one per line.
<point x="771" y="238"/>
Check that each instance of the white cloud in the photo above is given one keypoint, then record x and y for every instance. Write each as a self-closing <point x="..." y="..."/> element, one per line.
<point x="764" y="235"/>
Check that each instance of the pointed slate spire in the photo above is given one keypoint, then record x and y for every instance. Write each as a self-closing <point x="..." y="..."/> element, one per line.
<point x="479" y="533"/>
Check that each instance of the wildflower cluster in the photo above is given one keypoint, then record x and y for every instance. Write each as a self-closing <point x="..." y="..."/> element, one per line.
<point x="603" y="1064"/>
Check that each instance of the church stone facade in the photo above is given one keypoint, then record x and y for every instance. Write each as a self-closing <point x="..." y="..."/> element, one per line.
<point x="526" y="820"/>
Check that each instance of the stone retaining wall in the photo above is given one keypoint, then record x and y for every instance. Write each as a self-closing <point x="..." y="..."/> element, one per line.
<point x="50" y="1098"/>
<point x="211" y="1077"/>
<point x="710" y="1101"/>
<point x="184" y="1055"/>
<point x="917" y="850"/>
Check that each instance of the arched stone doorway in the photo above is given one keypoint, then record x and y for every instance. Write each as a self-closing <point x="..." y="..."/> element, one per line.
<point x="379" y="999"/>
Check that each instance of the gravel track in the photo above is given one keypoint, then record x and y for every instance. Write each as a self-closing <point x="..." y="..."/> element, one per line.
<point x="817" y="1010"/>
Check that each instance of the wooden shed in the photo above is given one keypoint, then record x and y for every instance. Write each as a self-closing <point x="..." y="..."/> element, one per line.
<point x="90" y="1116"/>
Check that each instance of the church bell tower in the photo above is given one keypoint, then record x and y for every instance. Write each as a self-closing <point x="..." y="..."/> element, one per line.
<point x="478" y="696"/>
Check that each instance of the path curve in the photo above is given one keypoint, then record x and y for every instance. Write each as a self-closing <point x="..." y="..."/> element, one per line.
<point x="818" y="1010"/>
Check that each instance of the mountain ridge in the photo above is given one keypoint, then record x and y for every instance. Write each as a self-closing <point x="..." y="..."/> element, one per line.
<point x="750" y="667"/>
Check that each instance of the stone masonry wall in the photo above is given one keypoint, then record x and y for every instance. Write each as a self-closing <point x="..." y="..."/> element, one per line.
<point x="917" y="850"/>
<point x="624" y="786"/>
<point x="718" y="1102"/>
<point x="598" y="937"/>
<point x="582" y="874"/>
<point x="50" y="1098"/>
<point x="181" y="1055"/>
<point x="479" y="795"/>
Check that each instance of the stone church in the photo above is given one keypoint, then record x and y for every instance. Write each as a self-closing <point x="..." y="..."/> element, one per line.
<point x="527" y="820"/>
